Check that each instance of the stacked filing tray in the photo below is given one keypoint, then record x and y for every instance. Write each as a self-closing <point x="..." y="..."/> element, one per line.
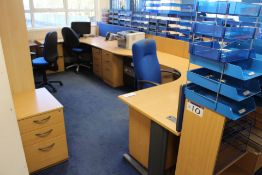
<point x="125" y="18"/>
<point x="140" y="21"/>
<point x="229" y="57"/>
<point x="169" y="18"/>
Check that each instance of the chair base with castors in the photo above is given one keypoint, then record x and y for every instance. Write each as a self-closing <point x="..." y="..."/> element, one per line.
<point x="49" y="85"/>
<point x="46" y="83"/>
<point x="77" y="66"/>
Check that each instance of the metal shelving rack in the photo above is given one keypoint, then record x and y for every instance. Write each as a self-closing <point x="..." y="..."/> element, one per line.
<point x="174" y="22"/>
<point x="231" y="69"/>
<point x="227" y="58"/>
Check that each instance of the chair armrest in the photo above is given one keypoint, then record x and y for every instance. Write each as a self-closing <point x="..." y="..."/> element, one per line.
<point x="176" y="74"/>
<point x="146" y="81"/>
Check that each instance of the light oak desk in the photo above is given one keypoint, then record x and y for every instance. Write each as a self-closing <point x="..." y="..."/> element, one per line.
<point x="60" y="60"/>
<point x="145" y="107"/>
<point x="111" y="46"/>
<point x="107" y="53"/>
<point x="156" y="104"/>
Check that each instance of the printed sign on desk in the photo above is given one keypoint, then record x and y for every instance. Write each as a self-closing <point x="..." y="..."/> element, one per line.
<point x="194" y="108"/>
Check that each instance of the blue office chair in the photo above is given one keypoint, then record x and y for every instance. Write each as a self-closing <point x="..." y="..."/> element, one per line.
<point x="146" y="65"/>
<point x="73" y="47"/>
<point x="48" y="61"/>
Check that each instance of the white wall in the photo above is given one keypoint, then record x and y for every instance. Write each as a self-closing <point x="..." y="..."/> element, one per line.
<point x="101" y="5"/>
<point x="12" y="158"/>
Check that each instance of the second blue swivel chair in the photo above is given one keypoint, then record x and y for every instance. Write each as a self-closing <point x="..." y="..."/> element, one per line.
<point x="72" y="45"/>
<point x="48" y="61"/>
<point x="146" y="65"/>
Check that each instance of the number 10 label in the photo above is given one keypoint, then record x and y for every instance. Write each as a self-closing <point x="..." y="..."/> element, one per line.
<point x="199" y="111"/>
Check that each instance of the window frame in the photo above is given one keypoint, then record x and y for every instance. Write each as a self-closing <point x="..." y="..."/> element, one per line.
<point x="32" y="10"/>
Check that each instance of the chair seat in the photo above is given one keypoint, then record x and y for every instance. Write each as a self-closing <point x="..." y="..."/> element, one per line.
<point x="77" y="50"/>
<point x="40" y="61"/>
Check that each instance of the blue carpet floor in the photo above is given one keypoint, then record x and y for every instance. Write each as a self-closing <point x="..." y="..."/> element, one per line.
<point x="96" y="125"/>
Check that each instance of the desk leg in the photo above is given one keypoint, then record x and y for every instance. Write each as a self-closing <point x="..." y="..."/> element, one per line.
<point x="157" y="149"/>
<point x="157" y="152"/>
<point x="135" y="164"/>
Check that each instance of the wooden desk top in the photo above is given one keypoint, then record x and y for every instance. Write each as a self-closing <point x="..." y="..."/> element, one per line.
<point x="39" y="101"/>
<point x="110" y="46"/>
<point x="157" y="103"/>
<point x="41" y="42"/>
<point x="164" y="59"/>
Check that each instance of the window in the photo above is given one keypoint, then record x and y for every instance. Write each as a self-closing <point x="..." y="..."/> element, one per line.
<point x="57" y="13"/>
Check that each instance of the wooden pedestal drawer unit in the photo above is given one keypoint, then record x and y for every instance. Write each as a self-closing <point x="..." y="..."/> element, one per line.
<point x="97" y="62"/>
<point x="46" y="153"/>
<point x="112" y="66"/>
<point x="41" y="123"/>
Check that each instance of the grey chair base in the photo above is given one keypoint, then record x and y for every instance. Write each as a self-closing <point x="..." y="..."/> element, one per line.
<point x="48" y="84"/>
<point x="77" y="66"/>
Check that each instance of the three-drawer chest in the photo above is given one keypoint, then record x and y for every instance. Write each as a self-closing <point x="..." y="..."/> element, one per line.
<point x="41" y="122"/>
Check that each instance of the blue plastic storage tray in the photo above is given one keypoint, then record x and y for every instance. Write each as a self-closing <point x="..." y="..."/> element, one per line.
<point x="184" y="31"/>
<point x="212" y="7"/>
<point x="163" y="22"/>
<point x="243" y="70"/>
<point x="224" y="106"/>
<point x="230" y="87"/>
<point x="162" y="28"/>
<point x="212" y="30"/>
<point x="184" y="38"/>
<point x="231" y="8"/>
<point x="152" y="32"/>
<point x="152" y="20"/>
<point x="244" y="9"/>
<point x="212" y="50"/>
<point x="152" y="27"/>
<point x="163" y="34"/>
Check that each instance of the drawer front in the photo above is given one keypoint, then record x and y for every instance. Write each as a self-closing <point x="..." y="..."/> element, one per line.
<point x="43" y="134"/>
<point x="97" y="60"/>
<point x="97" y="70"/>
<point x="108" y="63"/>
<point x="107" y="73"/>
<point x="41" y="121"/>
<point x="96" y="52"/>
<point x="46" y="153"/>
<point x="107" y="55"/>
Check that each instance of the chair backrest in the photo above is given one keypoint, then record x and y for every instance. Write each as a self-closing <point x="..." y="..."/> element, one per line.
<point x="50" y="47"/>
<point x="70" y="37"/>
<point x="146" y="62"/>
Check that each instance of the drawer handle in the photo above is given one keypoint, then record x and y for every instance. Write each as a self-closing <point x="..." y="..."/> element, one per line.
<point x="45" y="134"/>
<point x="46" y="149"/>
<point x="43" y="121"/>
